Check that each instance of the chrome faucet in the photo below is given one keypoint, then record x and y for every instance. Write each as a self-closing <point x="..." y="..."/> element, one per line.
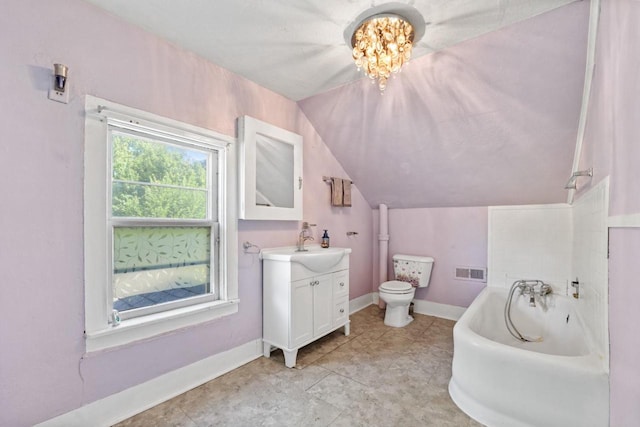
<point x="544" y="289"/>
<point x="304" y="236"/>
<point x="527" y="287"/>
<point x="532" y="299"/>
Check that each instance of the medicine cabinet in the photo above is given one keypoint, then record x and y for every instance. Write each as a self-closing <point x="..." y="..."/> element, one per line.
<point x="270" y="171"/>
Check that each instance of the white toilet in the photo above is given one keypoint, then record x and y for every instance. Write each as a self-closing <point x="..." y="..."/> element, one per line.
<point x="411" y="272"/>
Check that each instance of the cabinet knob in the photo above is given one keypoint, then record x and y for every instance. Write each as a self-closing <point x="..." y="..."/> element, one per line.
<point x="341" y="283"/>
<point x="342" y="310"/>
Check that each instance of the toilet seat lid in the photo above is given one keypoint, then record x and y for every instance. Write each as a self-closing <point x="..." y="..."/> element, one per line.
<point x="396" y="286"/>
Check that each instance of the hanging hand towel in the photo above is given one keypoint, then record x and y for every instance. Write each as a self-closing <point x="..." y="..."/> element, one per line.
<point x="346" y="192"/>
<point x="336" y="192"/>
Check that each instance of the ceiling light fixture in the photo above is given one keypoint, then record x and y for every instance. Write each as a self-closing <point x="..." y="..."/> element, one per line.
<point x="381" y="45"/>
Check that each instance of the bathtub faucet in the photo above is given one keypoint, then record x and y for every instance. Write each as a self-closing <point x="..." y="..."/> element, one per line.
<point x="528" y="287"/>
<point x="544" y="289"/>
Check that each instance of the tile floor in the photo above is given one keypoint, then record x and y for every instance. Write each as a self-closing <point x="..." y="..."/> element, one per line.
<point x="377" y="376"/>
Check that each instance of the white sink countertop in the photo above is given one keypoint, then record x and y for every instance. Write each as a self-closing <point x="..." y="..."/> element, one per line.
<point x="314" y="258"/>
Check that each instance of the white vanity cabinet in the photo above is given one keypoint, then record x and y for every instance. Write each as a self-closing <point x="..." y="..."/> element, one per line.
<point x="301" y="305"/>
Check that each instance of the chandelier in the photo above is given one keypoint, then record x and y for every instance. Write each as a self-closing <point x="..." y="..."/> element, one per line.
<point x="381" y="45"/>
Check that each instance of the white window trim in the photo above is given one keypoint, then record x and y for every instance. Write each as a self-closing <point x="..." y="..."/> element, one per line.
<point x="99" y="333"/>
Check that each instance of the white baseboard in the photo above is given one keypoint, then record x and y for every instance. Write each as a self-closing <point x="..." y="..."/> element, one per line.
<point x="360" y="302"/>
<point x="127" y="403"/>
<point x="445" y="311"/>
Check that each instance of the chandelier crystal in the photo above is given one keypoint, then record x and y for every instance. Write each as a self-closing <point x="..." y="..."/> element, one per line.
<point x="381" y="45"/>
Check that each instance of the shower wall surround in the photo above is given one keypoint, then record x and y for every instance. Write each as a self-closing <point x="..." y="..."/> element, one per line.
<point x="530" y="242"/>
<point x="557" y="244"/>
<point x="590" y="265"/>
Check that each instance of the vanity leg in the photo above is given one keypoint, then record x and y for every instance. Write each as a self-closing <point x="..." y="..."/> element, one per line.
<point x="290" y="358"/>
<point x="347" y="328"/>
<point x="266" y="349"/>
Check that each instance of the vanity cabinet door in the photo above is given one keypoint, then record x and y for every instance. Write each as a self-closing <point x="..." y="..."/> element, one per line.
<point x="322" y="302"/>
<point x="301" y="328"/>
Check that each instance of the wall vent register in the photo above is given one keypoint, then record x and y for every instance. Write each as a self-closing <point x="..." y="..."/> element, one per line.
<point x="471" y="273"/>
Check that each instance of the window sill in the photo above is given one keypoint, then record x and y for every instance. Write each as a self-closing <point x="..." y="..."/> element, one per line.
<point x="140" y="328"/>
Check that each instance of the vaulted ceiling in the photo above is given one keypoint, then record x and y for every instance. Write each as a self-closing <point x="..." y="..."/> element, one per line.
<point x="486" y="112"/>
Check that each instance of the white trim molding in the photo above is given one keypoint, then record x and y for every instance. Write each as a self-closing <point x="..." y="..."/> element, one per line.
<point x="102" y="330"/>
<point x="127" y="403"/>
<point x="376" y="298"/>
<point x="624" y="221"/>
<point x="155" y="324"/>
<point x="360" y="302"/>
<point x="132" y="401"/>
<point x="445" y="311"/>
<point x="430" y="308"/>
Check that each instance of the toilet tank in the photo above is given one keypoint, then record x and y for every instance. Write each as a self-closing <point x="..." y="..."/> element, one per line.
<point x="413" y="269"/>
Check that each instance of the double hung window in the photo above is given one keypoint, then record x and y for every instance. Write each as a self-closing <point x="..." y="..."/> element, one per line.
<point x="159" y="234"/>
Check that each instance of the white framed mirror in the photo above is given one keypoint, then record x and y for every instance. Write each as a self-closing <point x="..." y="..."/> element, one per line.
<point x="270" y="168"/>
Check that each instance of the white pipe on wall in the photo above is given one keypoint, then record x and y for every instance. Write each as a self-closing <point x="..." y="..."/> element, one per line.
<point x="383" y="239"/>
<point x="594" y="17"/>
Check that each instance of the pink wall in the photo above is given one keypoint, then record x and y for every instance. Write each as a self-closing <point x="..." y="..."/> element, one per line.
<point x="611" y="147"/>
<point x="624" y="292"/>
<point x="453" y="237"/>
<point x="43" y="369"/>
<point x="471" y="125"/>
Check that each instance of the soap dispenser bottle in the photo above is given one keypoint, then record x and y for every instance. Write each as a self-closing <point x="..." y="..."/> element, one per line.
<point x="325" y="240"/>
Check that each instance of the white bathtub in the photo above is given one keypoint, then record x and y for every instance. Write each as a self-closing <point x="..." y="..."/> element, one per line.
<point x="501" y="381"/>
